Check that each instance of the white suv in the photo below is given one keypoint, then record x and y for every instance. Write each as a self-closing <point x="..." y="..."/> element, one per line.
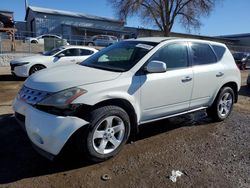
<point x="100" y="102"/>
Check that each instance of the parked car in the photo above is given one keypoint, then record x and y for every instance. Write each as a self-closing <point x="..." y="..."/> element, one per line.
<point x="248" y="80"/>
<point x="102" y="40"/>
<point x="65" y="55"/>
<point x="242" y="60"/>
<point x="6" y="21"/>
<point x="40" y="39"/>
<point x="100" y="102"/>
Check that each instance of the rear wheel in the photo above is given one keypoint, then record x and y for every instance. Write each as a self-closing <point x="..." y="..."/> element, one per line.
<point x="222" y="105"/>
<point x="108" y="132"/>
<point x="36" y="68"/>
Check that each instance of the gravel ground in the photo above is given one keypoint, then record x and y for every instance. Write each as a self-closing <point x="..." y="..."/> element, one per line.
<point x="209" y="154"/>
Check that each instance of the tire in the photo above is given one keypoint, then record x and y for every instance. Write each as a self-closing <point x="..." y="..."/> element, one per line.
<point x="36" y="68"/>
<point x="34" y="42"/>
<point x="90" y="44"/>
<point x="108" y="131"/>
<point x="223" y="104"/>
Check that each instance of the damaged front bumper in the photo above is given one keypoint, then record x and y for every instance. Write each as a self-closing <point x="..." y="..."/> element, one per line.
<point x="49" y="133"/>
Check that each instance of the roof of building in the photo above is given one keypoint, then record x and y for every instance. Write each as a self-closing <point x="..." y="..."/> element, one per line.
<point x="186" y="35"/>
<point x="68" y="13"/>
<point x="235" y="35"/>
<point x="7" y="11"/>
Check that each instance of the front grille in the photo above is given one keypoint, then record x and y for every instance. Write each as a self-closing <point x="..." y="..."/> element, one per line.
<point x="32" y="96"/>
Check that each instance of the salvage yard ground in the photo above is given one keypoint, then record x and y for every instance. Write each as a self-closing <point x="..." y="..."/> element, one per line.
<point x="209" y="154"/>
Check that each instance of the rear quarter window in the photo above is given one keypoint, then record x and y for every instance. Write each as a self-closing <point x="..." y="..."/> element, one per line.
<point x="219" y="50"/>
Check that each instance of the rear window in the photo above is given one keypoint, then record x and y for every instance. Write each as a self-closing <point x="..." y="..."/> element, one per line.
<point x="219" y="50"/>
<point x="202" y="54"/>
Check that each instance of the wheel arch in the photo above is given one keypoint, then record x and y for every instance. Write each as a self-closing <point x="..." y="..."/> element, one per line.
<point x="36" y="65"/>
<point x="34" y="41"/>
<point x="232" y="85"/>
<point x="122" y="103"/>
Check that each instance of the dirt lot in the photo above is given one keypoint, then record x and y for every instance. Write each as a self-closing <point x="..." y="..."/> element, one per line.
<point x="209" y="154"/>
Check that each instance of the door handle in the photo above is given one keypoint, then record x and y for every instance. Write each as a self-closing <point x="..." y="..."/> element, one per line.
<point x="219" y="74"/>
<point x="73" y="60"/>
<point x="186" y="79"/>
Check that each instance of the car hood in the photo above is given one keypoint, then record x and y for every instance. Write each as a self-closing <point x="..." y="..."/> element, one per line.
<point x="34" y="58"/>
<point x="60" y="78"/>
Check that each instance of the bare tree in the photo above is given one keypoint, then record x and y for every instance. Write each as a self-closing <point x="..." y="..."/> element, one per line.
<point x="164" y="13"/>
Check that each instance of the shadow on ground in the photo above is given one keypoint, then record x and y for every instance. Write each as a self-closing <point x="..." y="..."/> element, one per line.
<point x="245" y="91"/>
<point x="9" y="77"/>
<point x="18" y="160"/>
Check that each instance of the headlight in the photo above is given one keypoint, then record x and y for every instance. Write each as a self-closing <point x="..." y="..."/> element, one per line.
<point x="63" y="98"/>
<point x="20" y="64"/>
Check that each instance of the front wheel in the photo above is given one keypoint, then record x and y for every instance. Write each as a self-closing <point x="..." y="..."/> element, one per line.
<point x="222" y="105"/>
<point x="108" y="131"/>
<point x="36" y="68"/>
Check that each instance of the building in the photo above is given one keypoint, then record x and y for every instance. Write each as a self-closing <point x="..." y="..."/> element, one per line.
<point x="239" y="39"/>
<point x="69" y="25"/>
<point x="7" y="13"/>
<point x="77" y="27"/>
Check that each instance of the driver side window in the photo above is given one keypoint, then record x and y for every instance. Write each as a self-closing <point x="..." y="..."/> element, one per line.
<point x="174" y="55"/>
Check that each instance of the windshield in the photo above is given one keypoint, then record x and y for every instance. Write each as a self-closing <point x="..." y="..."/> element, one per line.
<point x="239" y="56"/>
<point x="53" y="51"/>
<point x="119" y="57"/>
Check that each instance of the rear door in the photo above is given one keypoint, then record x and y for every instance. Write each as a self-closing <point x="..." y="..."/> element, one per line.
<point x="208" y="73"/>
<point x="99" y="41"/>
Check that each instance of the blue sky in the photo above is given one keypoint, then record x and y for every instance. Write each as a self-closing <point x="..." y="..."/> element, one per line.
<point x="229" y="17"/>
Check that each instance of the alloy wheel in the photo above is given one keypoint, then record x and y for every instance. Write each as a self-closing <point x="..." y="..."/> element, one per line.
<point x="108" y="135"/>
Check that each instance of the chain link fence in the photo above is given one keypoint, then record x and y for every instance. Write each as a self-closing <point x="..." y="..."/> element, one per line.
<point x="28" y="42"/>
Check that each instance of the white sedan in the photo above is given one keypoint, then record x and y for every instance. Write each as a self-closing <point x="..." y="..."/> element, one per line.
<point x="64" y="55"/>
<point x="40" y="39"/>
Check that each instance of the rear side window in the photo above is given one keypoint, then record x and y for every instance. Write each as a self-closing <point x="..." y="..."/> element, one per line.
<point x="219" y="50"/>
<point x="202" y="54"/>
<point x="85" y="52"/>
<point x="174" y="55"/>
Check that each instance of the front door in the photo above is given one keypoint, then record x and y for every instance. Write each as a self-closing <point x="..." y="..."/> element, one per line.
<point x="163" y="94"/>
<point x="70" y="57"/>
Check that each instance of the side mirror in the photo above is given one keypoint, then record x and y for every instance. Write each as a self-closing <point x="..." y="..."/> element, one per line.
<point x="156" y="67"/>
<point x="60" y="55"/>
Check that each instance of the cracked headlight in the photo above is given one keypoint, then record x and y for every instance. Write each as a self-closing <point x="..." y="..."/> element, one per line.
<point x="62" y="99"/>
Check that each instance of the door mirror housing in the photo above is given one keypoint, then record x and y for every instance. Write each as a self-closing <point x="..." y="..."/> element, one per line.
<point x="60" y="55"/>
<point x="156" y="67"/>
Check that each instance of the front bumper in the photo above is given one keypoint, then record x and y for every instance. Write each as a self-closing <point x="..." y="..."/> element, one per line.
<point x="21" y="71"/>
<point x="46" y="131"/>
